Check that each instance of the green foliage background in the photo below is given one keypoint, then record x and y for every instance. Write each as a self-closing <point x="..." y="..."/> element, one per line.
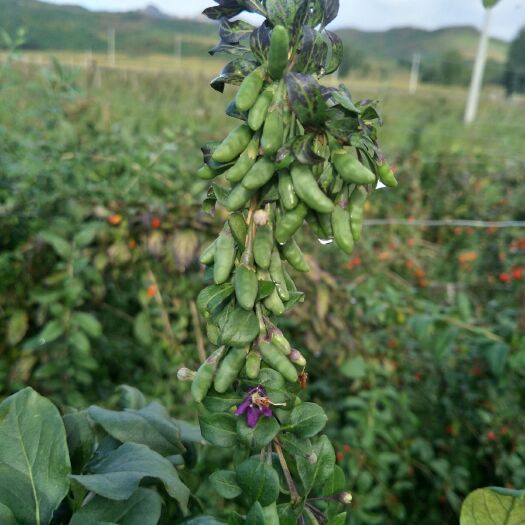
<point x="415" y="346"/>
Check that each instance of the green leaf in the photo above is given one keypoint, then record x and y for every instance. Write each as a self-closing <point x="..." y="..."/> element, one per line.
<point x="143" y="508"/>
<point x="314" y="52"/>
<point x="34" y="461"/>
<point x="118" y="474"/>
<point x="493" y="505"/>
<point x="88" y="323"/>
<point x="340" y="519"/>
<point x="215" y="402"/>
<point x="225" y="483"/>
<point x="335" y="55"/>
<point x="203" y="520"/>
<point x="260" y="42"/>
<point x="303" y="149"/>
<point x="80" y="439"/>
<point x="330" y="11"/>
<point x="294" y="445"/>
<point x="131" y="397"/>
<point x="233" y="32"/>
<point x="307" y="420"/>
<point x="306" y="99"/>
<point x="490" y="3"/>
<point x="241" y="328"/>
<point x="219" y="429"/>
<point x="335" y="483"/>
<point x="17" y="327"/>
<point x="51" y="331"/>
<point x="213" y="297"/>
<point x="259" y="481"/>
<point x="263" y="433"/>
<point x="281" y="12"/>
<point x="87" y="234"/>
<point x="255" y="516"/>
<point x="315" y="470"/>
<point x="150" y="426"/>
<point x="354" y="368"/>
<point x="60" y="245"/>
<point x="6" y="516"/>
<point x="142" y="329"/>
<point x="233" y="73"/>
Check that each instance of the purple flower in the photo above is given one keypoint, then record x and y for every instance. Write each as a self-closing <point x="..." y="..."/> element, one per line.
<point x="255" y="405"/>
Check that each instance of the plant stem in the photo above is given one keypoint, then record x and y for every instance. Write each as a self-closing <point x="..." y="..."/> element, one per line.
<point x="294" y="495"/>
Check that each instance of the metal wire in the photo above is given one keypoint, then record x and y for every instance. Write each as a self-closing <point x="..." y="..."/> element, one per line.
<point x="445" y="222"/>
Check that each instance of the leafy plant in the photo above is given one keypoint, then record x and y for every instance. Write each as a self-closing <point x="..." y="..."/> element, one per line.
<point x="94" y="465"/>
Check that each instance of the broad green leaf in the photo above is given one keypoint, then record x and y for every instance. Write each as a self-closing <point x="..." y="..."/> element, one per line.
<point x="131" y="397"/>
<point x="354" y="368"/>
<point x="6" y="516"/>
<point x="225" y="483"/>
<point x="60" y="245"/>
<point x="335" y="483"/>
<point x="215" y="402"/>
<point x="118" y="474"/>
<point x="88" y="323"/>
<point x="232" y="32"/>
<point x="307" y="420"/>
<point x="317" y="468"/>
<point x="306" y="99"/>
<point x="150" y="426"/>
<point x="258" y="480"/>
<point x="492" y="506"/>
<point x="255" y="516"/>
<point x="241" y="328"/>
<point x="294" y="445"/>
<point x="281" y="12"/>
<point x="203" y="520"/>
<point x="330" y="11"/>
<point x="263" y="433"/>
<point x="219" y="429"/>
<point x="213" y="297"/>
<point x="80" y="439"/>
<point x="87" y="234"/>
<point x="34" y="461"/>
<point x="17" y="327"/>
<point x="143" y="508"/>
<point x="142" y="329"/>
<point x="52" y="331"/>
<point x="233" y="73"/>
<point x="340" y="519"/>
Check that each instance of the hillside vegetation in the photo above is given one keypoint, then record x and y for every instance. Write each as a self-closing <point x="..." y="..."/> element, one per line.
<point x="71" y="28"/>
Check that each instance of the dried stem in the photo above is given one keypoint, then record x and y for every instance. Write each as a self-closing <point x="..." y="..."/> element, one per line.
<point x="294" y="495"/>
<point x="199" y="338"/>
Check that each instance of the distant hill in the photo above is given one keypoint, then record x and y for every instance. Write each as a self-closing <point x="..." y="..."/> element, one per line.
<point x="72" y="28"/>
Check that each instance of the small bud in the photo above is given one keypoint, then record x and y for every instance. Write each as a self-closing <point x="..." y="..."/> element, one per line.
<point x="345" y="498"/>
<point x="260" y="217"/>
<point x="297" y="358"/>
<point x="185" y="374"/>
<point x="311" y="457"/>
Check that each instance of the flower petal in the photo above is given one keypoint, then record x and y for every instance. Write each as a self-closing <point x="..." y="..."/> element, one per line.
<point x="267" y="412"/>
<point x="252" y="416"/>
<point x="244" y="406"/>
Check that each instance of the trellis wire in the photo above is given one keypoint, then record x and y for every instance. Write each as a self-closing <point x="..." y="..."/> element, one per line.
<point x="445" y="222"/>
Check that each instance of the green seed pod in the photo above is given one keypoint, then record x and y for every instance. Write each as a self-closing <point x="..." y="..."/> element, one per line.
<point x="233" y="145"/>
<point x="249" y="90"/>
<point x="341" y="224"/>
<point x="350" y="169"/>
<point x="386" y="175"/>
<point x="308" y="190"/>
<point x="297" y="358"/>
<point x="274" y="303"/>
<point x="246" y="161"/>
<point x="208" y="254"/>
<point x="277" y="275"/>
<point x="293" y="254"/>
<point x="313" y="221"/>
<point x="224" y="256"/>
<point x="213" y="334"/>
<point x="278" y="361"/>
<point x="204" y="378"/>
<point x="239" y="198"/>
<point x="206" y="173"/>
<point x="229" y="369"/>
<point x="286" y="191"/>
<point x="327" y="178"/>
<point x="278" y="340"/>
<point x="278" y="54"/>
<point x="259" y="111"/>
<point x="356" y="208"/>
<point x="246" y="286"/>
<point x="259" y="175"/>
<point x="253" y="364"/>
<point x="290" y="222"/>
<point x="238" y="227"/>
<point x="263" y="246"/>
<point x="325" y="221"/>
<point x="273" y="132"/>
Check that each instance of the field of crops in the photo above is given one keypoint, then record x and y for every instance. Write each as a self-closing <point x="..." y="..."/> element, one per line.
<point x="415" y="343"/>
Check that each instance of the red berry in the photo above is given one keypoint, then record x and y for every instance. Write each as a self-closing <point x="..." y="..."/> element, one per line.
<point x="491" y="436"/>
<point x="155" y="223"/>
<point x="505" y="277"/>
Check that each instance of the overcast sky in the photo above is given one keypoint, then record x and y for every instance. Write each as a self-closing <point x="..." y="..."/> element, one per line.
<point x="508" y="18"/>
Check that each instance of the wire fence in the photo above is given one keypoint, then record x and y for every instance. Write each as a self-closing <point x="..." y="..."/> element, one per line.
<point x="436" y="223"/>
